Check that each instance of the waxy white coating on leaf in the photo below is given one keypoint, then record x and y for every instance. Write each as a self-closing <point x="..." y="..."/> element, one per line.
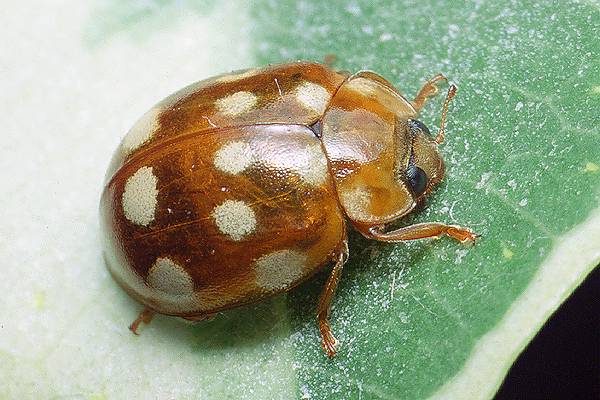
<point x="235" y="219"/>
<point x="142" y="130"/>
<point x="237" y="103"/>
<point x="279" y="269"/>
<point x="168" y="277"/>
<point x="233" y="157"/>
<point x="140" y="197"/>
<point x="313" y="97"/>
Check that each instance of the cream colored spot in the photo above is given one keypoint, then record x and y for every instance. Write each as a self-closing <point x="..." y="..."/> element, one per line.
<point x="363" y="86"/>
<point x="235" y="219"/>
<point x="280" y="269"/>
<point x="140" y="197"/>
<point x="236" y="76"/>
<point x="161" y="301"/>
<point x="234" y="157"/>
<point x="591" y="167"/>
<point x="357" y="202"/>
<point x="313" y="96"/>
<point x="596" y="89"/>
<point x="237" y="103"/>
<point x="314" y="168"/>
<point x="141" y="131"/>
<point x="168" y="277"/>
<point x="387" y="97"/>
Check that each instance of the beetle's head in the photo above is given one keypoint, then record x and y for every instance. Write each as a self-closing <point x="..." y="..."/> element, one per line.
<point x="422" y="166"/>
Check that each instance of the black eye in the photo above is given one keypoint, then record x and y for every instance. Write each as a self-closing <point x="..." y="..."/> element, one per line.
<point x="417" y="179"/>
<point x="415" y="125"/>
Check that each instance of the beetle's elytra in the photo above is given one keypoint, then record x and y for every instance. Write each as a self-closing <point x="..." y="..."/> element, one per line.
<point x="242" y="186"/>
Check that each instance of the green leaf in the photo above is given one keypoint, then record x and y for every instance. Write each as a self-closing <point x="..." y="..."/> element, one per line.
<point x="522" y="153"/>
<point x="415" y="320"/>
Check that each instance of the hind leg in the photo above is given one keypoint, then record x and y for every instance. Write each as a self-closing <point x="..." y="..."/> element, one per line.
<point x="145" y="316"/>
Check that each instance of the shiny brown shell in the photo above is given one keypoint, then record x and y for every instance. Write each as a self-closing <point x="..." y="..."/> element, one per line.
<point x="238" y="187"/>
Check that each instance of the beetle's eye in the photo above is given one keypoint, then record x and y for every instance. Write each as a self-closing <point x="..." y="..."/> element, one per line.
<point x="417" y="179"/>
<point x="416" y="126"/>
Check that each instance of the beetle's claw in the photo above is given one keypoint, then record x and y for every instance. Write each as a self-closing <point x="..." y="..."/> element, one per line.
<point x="134" y="327"/>
<point x="145" y="316"/>
<point x="329" y="344"/>
<point x="463" y="235"/>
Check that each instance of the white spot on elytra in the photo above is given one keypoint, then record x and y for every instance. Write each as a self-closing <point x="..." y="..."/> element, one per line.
<point x="357" y="202"/>
<point x="309" y="162"/>
<point x="236" y="76"/>
<point x="168" y="277"/>
<point x="237" y="103"/>
<point x="233" y="157"/>
<point x="167" y="288"/>
<point x="314" y="168"/>
<point x="279" y="269"/>
<point x="142" y="130"/>
<point x="140" y="197"/>
<point x="312" y="96"/>
<point x="235" y="219"/>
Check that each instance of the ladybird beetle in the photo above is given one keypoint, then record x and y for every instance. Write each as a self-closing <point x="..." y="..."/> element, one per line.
<point x="242" y="186"/>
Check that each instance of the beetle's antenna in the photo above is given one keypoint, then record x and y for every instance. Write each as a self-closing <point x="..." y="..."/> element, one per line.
<point x="439" y="139"/>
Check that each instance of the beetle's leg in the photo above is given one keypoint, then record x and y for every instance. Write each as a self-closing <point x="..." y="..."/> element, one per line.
<point x="145" y="317"/>
<point x="329" y="342"/>
<point x="420" y="231"/>
<point x="428" y="90"/>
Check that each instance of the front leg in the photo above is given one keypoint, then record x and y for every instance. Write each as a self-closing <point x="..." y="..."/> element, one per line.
<point x="419" y="231"/>
<point x="428" y="90"/>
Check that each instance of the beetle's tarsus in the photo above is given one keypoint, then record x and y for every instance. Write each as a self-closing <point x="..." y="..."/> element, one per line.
<point x="329" y="343"/>
<point x="145" y="316"/>
<point x="463" y="235"/>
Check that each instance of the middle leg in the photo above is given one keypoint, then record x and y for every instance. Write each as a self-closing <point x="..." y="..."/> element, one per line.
<point x="328" y="341"/>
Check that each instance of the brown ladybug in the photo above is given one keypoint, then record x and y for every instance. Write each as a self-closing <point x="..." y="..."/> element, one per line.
<point x="241" y="186"/>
